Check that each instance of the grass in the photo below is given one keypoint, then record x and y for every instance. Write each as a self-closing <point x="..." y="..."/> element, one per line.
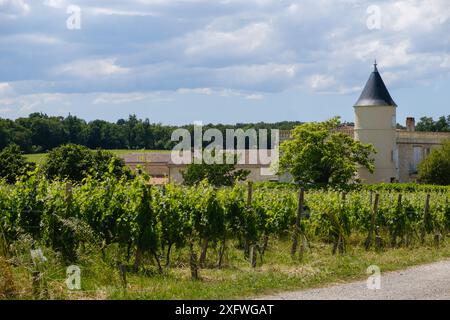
<point x="39" y="158"/>
<point x="236" y="279"/>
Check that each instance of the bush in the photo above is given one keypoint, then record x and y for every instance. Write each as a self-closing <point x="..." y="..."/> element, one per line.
<point x="435" y="169"/>
<point x="216" y="174"/>
<point x="75" y="162"/>
<point x="12" y="163"/>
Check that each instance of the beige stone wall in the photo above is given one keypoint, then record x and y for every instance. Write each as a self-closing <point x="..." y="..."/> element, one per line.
<point x="376" y="125"/>
<point x="175" y="174"/>
<point x="156" y="170"/>
<point x="255" y="174"/>
<point x="415" y="146"/>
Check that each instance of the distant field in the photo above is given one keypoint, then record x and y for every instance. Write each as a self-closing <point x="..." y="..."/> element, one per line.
<point x="39" y="158"/>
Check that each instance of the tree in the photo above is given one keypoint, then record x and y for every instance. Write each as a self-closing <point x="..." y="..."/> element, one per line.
<point x="319" y="155"/>
<point x="12" y="163"/>
<point x="428" y="124"/>
<point x="435" y="169"/>
<point x="75" y="162"/>
<point x="13" y="133"/>
<point x="216" y="174"/>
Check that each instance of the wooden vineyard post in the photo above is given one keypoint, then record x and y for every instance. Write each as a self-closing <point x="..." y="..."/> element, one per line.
<point x="298" y="220"/>
<point x="254" y="252"/>
<point x="437" y="239"/>
<point x="39" y="285"/>
<point x="36" y="284"/>
<point x="249" y="205"/>
<point x="193" y="261"/>
<point x="68" y="192"/>
<point x="249" y="194"/>
<point x="372" y="222"/>
<point x="123" y="275"/>
<point x="425" y="219"/>
<point x="399" y="208"/>
<point x="251" y="250"/>
<point x="341" y="240"/>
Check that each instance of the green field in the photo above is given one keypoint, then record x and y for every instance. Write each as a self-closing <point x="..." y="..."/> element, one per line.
<point x="39" y="158"/>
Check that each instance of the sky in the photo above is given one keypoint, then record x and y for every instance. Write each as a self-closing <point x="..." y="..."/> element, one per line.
<point x="220" y="61"/>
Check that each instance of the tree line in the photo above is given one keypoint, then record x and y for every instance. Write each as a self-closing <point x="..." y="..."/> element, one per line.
<point x="40" y="133"/>
<point x="429" y="124"/>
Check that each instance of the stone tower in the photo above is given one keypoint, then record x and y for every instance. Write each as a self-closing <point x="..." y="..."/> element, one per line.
<point x="375" y="123"/>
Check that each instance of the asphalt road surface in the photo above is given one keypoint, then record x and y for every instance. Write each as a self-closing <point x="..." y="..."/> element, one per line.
<point x="431" y="281"/>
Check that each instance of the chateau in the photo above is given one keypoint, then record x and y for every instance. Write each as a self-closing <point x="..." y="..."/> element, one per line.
<point x="399" y="152"/>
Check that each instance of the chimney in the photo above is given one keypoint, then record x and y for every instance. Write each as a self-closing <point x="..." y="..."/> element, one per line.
<point x="410" y="124"/>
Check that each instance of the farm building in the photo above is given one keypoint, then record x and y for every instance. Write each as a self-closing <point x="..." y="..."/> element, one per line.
<point x="399" y="151"/>
<point x="161" y="167"/>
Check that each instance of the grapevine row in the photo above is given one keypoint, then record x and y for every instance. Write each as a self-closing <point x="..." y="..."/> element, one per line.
<point x="144" y="220"/>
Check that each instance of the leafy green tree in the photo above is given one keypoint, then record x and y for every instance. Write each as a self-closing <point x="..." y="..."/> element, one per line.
<point x="12" y="132"/>
<point x="70" y="161"/>
<point x="425" y="124"/>
<point x="435" y="169"/>
<point x="75" y="129"/>
<point x="216" y="174"/>
<point x="106" y="162"/>
<point x="443" y="124"/>
<point x="46" y="132"/>
<point x="319" y="155"/>
<point x="428" y="124"/>
<point x="12" y="163"/>
<point x="75" y="162"/>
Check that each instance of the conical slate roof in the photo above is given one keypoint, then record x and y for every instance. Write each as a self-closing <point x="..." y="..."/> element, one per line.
<point x="375" y="92"/>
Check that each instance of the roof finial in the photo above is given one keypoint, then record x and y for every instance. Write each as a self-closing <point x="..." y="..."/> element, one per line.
<point x="375" y="65"/>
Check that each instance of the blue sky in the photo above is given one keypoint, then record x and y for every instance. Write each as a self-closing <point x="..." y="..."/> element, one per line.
<point x="179" y="61"/>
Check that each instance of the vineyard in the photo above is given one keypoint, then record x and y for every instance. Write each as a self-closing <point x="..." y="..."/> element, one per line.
<point x="149" y="227"/>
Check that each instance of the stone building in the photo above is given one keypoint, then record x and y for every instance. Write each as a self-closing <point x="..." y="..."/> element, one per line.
<point x="161" y="167"/>
<point x="399" y="151"/>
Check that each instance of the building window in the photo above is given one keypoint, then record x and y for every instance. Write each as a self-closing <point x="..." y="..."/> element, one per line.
<point x="417" y="158"/>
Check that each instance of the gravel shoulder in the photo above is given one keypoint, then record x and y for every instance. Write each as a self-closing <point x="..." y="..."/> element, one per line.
<point x="425" y="282"/>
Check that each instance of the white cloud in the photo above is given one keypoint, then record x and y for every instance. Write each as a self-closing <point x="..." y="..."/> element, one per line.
<point x="242" y="41"/>
<point x="117" y="12"/>
<point x="221" y="92"/>
<point x="265" y="76"/>
<point x="91" y="68"/>
<point x="206" y="91"/>
<point x="122" y="98"/>
<point x="254" y="97"/>
<point x="57" y="4"/>
<point x="13" y="8"/>
<point x="245" y="46"/>
<point x="5" y="89"/>
<point x="415" y="15"/>
<point x="27" y="103"/>
<point x="320" y="82"/>
<point x="32" y="38"/>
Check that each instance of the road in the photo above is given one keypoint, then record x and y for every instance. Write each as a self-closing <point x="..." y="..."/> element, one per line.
<point x="426" y="282"/>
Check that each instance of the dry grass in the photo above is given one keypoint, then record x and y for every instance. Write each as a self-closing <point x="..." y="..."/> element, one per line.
<point x="236" y="279"/>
